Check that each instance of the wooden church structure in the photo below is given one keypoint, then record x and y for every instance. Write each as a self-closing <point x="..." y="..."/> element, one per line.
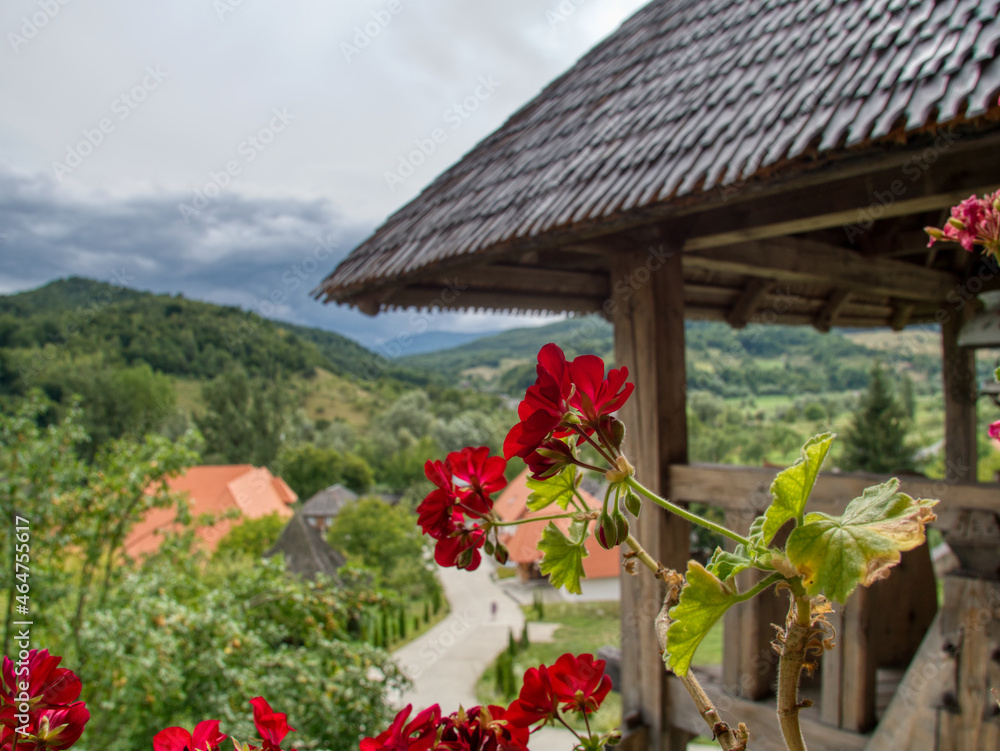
<point x="751" y="161"/>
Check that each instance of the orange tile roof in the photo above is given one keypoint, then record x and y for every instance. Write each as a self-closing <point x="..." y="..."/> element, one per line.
<point x="522" y="540"/>
<point x="253" y="491"/>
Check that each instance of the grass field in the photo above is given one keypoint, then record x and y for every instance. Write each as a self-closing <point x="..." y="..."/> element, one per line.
<point x="584" y="628"/>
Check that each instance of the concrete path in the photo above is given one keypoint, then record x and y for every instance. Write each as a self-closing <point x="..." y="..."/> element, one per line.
<point x="445" y="662"/>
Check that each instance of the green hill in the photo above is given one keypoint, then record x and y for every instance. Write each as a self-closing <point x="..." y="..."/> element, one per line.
<point x="726" y="362"/>
<point x="77" y="320"/>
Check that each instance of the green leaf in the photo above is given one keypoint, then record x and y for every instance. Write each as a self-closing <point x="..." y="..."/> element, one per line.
<point x="703" y="601"/>
<point x="836" y="554"/>
<point x="725" y="564"/>
<point x="791" y="488"/>
<point x="557" y="489"/>
<point x="563" y="561"/>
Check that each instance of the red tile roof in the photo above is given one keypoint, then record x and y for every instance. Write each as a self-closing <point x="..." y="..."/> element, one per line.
<point x="522" y="540"/>
<point x="253" y="491"/>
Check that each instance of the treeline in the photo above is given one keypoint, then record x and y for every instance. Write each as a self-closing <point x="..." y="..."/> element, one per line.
<point x="49" y="329"/>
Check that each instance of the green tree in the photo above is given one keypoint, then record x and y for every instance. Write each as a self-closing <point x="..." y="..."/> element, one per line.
<point x="244" y="419"/>
<point x="875" y="441"/>
<point x="251" y="537"/>
<point x="386" y="540"/>
<point x="308" y="469"/>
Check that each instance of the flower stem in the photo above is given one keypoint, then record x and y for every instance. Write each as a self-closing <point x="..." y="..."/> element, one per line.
<point x="642" y="555"/>
<point x="528" y="520"/>
<point x="793" y="654"/>
<point x="592" y="442"/>
<point x="685" y="514"/>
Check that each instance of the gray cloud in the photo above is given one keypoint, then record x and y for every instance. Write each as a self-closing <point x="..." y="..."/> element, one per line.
<point x="165" y="99"/>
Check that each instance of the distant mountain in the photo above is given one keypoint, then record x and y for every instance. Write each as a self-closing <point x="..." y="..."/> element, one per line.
<point x="430" y="341"/>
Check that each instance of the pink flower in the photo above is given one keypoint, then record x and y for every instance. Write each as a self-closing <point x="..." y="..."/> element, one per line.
<point x="974" y="221"/>
<point x="995" y="431"/>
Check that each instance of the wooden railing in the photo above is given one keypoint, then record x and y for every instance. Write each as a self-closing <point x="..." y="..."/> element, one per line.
<point x="869" y="636"/>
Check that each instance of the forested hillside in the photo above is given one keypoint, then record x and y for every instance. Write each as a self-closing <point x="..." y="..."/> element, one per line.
<point x="755" y="361"/>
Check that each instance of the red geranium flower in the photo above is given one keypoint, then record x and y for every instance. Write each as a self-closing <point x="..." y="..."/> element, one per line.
<point x="482" y="729"/>
<point x="595" y="395"/>
<point x="482" y="473"/>
<point x="562" y="389"/>
<point x="51" y="729"/>
<point x="461" y="549"/>
<point x="436" y="514"/>
<point x="537" y="700"/>
<point x="549" y="459"/>
<point x="995" y="430"/>
<point x="418" y="735"/>
<point x="272" y="726"/>
<point x="579" y="682"/>
<point x="206" y="737"/>
<point x="48" y="684"/>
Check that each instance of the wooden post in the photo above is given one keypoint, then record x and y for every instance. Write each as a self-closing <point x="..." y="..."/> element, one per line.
<point x="959" y="375"/>
<point x="647" y="306"/>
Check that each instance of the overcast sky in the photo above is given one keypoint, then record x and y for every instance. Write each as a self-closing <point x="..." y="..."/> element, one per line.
<point x="228" y="149"/>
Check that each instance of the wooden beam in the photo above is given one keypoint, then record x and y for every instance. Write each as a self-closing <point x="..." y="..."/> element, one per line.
<point x="748" y="302"/>
<point x="741" y="487"/>
<point x="901" y="317"/>
<point x="809" y="262"/>
<point x="846" y="217"/>
<point x="440" y="298"/>
<point x="834" y="307"/>
<point x="649" y="340"/>
<point x="959" y="375"/>
<point x="760" y="719"/>
<point x="509" y="278"/>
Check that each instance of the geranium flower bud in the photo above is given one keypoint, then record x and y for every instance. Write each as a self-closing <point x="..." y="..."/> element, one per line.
<point x="607" y="532"/>
<point x="633" y="503"/>
<point x="502" y="554"/>
<point x="621" y="524"/>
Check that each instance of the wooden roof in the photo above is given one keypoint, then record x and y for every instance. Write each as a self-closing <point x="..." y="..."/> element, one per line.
<point x="716" y="121"/>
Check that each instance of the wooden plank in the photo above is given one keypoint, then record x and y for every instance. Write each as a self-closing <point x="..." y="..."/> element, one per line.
<point x="834" y="307"/>
<point x="969" y="622"/>
<point x="760" y="718"/>
<point x="649" y="340"/>
<point x="857" y="696"/>
<point x="959" y="375"/>
<point x="749" y="663"/>
<point x="832" y="678"/>
<point x="795" y="259"/>
<point x="511" y="278"/>
<point x="444" y="298"/>
<point x="748" y="302"/>
<point x="825" y="220"/>
<point x="735" y="487"/>
<point x="910" y="720"/>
